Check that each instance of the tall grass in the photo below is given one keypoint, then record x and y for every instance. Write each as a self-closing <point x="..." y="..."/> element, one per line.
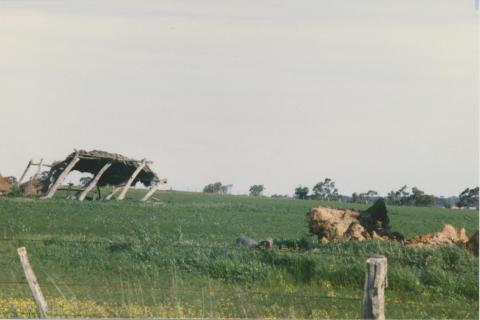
<point x="177" y="258"/>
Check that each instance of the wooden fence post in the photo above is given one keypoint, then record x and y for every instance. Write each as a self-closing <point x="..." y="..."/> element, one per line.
<point x="33" y="283"/>
<point x="374" y="289"/>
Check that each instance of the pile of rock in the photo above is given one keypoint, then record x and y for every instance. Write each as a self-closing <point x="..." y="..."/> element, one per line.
<point x="448" y="235"/>
<point x="5" y="186"/>
<point x="334" y="224"/>
<point x="373" y="224"/>
<point x="243" y="240"/>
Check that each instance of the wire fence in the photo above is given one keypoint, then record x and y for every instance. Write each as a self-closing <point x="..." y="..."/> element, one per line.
<point x="207" y="290"/>
<point x="223" y="291"/>
<point x="48" y="283"/>
<point x="184" y="289"/>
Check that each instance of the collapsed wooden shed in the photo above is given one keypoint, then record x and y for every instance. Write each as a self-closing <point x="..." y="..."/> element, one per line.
<point x="108" y="169"/>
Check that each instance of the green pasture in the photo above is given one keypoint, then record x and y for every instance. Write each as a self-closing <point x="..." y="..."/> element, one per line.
<point x="176" y="257"/>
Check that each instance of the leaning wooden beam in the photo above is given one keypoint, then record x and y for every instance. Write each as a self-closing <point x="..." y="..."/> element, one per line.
<point x="113" y="193"/>
<point x="24" y="172"/>
<point x="39" y="170"/>
<point x="94" y="181"/>
<point x="153" y="189"/>
<point x="33" y="283"/>
<point x="61" y="177"/>
<point x="122" y="194"/>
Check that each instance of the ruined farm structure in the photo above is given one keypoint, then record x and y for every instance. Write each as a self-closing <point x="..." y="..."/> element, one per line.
<point x="108" y="169"/>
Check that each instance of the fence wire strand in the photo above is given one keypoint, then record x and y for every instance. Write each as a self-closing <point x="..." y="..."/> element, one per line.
<point x="236" y="292"/>
<point x="181" y="289"/>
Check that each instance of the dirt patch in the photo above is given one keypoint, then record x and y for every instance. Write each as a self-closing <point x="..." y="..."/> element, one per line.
<point x="5" y="186"/>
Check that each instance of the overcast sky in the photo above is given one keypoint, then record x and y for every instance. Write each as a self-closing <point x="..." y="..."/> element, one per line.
<point x="374" y="94"/>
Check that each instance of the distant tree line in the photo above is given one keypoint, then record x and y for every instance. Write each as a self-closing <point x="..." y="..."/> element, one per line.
<point x="256" y="190"/>
<point x="326" y="190"/>
<point x="217" y="187"/>
<point x="468" y="198"/>
<point x="415" y="197"/>
<point x="365" y="197"/>
<point x="323" y="190"/>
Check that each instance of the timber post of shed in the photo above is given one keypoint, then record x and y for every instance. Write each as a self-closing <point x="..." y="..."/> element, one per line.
<point x="39" y="166"/>
<point x="153" y="188"/>
<point x="114" y="192"/>
<point x="39" y="169"/>
<point x="61" y="177"/>
<point x="24" y="172"/>
<point x="122" y="194"/>
<point x="94" y="181"/>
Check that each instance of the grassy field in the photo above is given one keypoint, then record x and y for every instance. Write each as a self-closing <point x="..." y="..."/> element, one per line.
<point x="177" y="258"/>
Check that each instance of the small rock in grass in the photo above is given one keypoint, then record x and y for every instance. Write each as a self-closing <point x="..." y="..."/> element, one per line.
<point x="245" y="241"/>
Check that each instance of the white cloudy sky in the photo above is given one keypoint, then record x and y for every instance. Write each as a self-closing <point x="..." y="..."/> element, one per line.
<point x="374" y="94"/>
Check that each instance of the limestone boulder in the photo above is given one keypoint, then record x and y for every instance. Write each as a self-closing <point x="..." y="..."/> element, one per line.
<point x="449" y="235"/>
